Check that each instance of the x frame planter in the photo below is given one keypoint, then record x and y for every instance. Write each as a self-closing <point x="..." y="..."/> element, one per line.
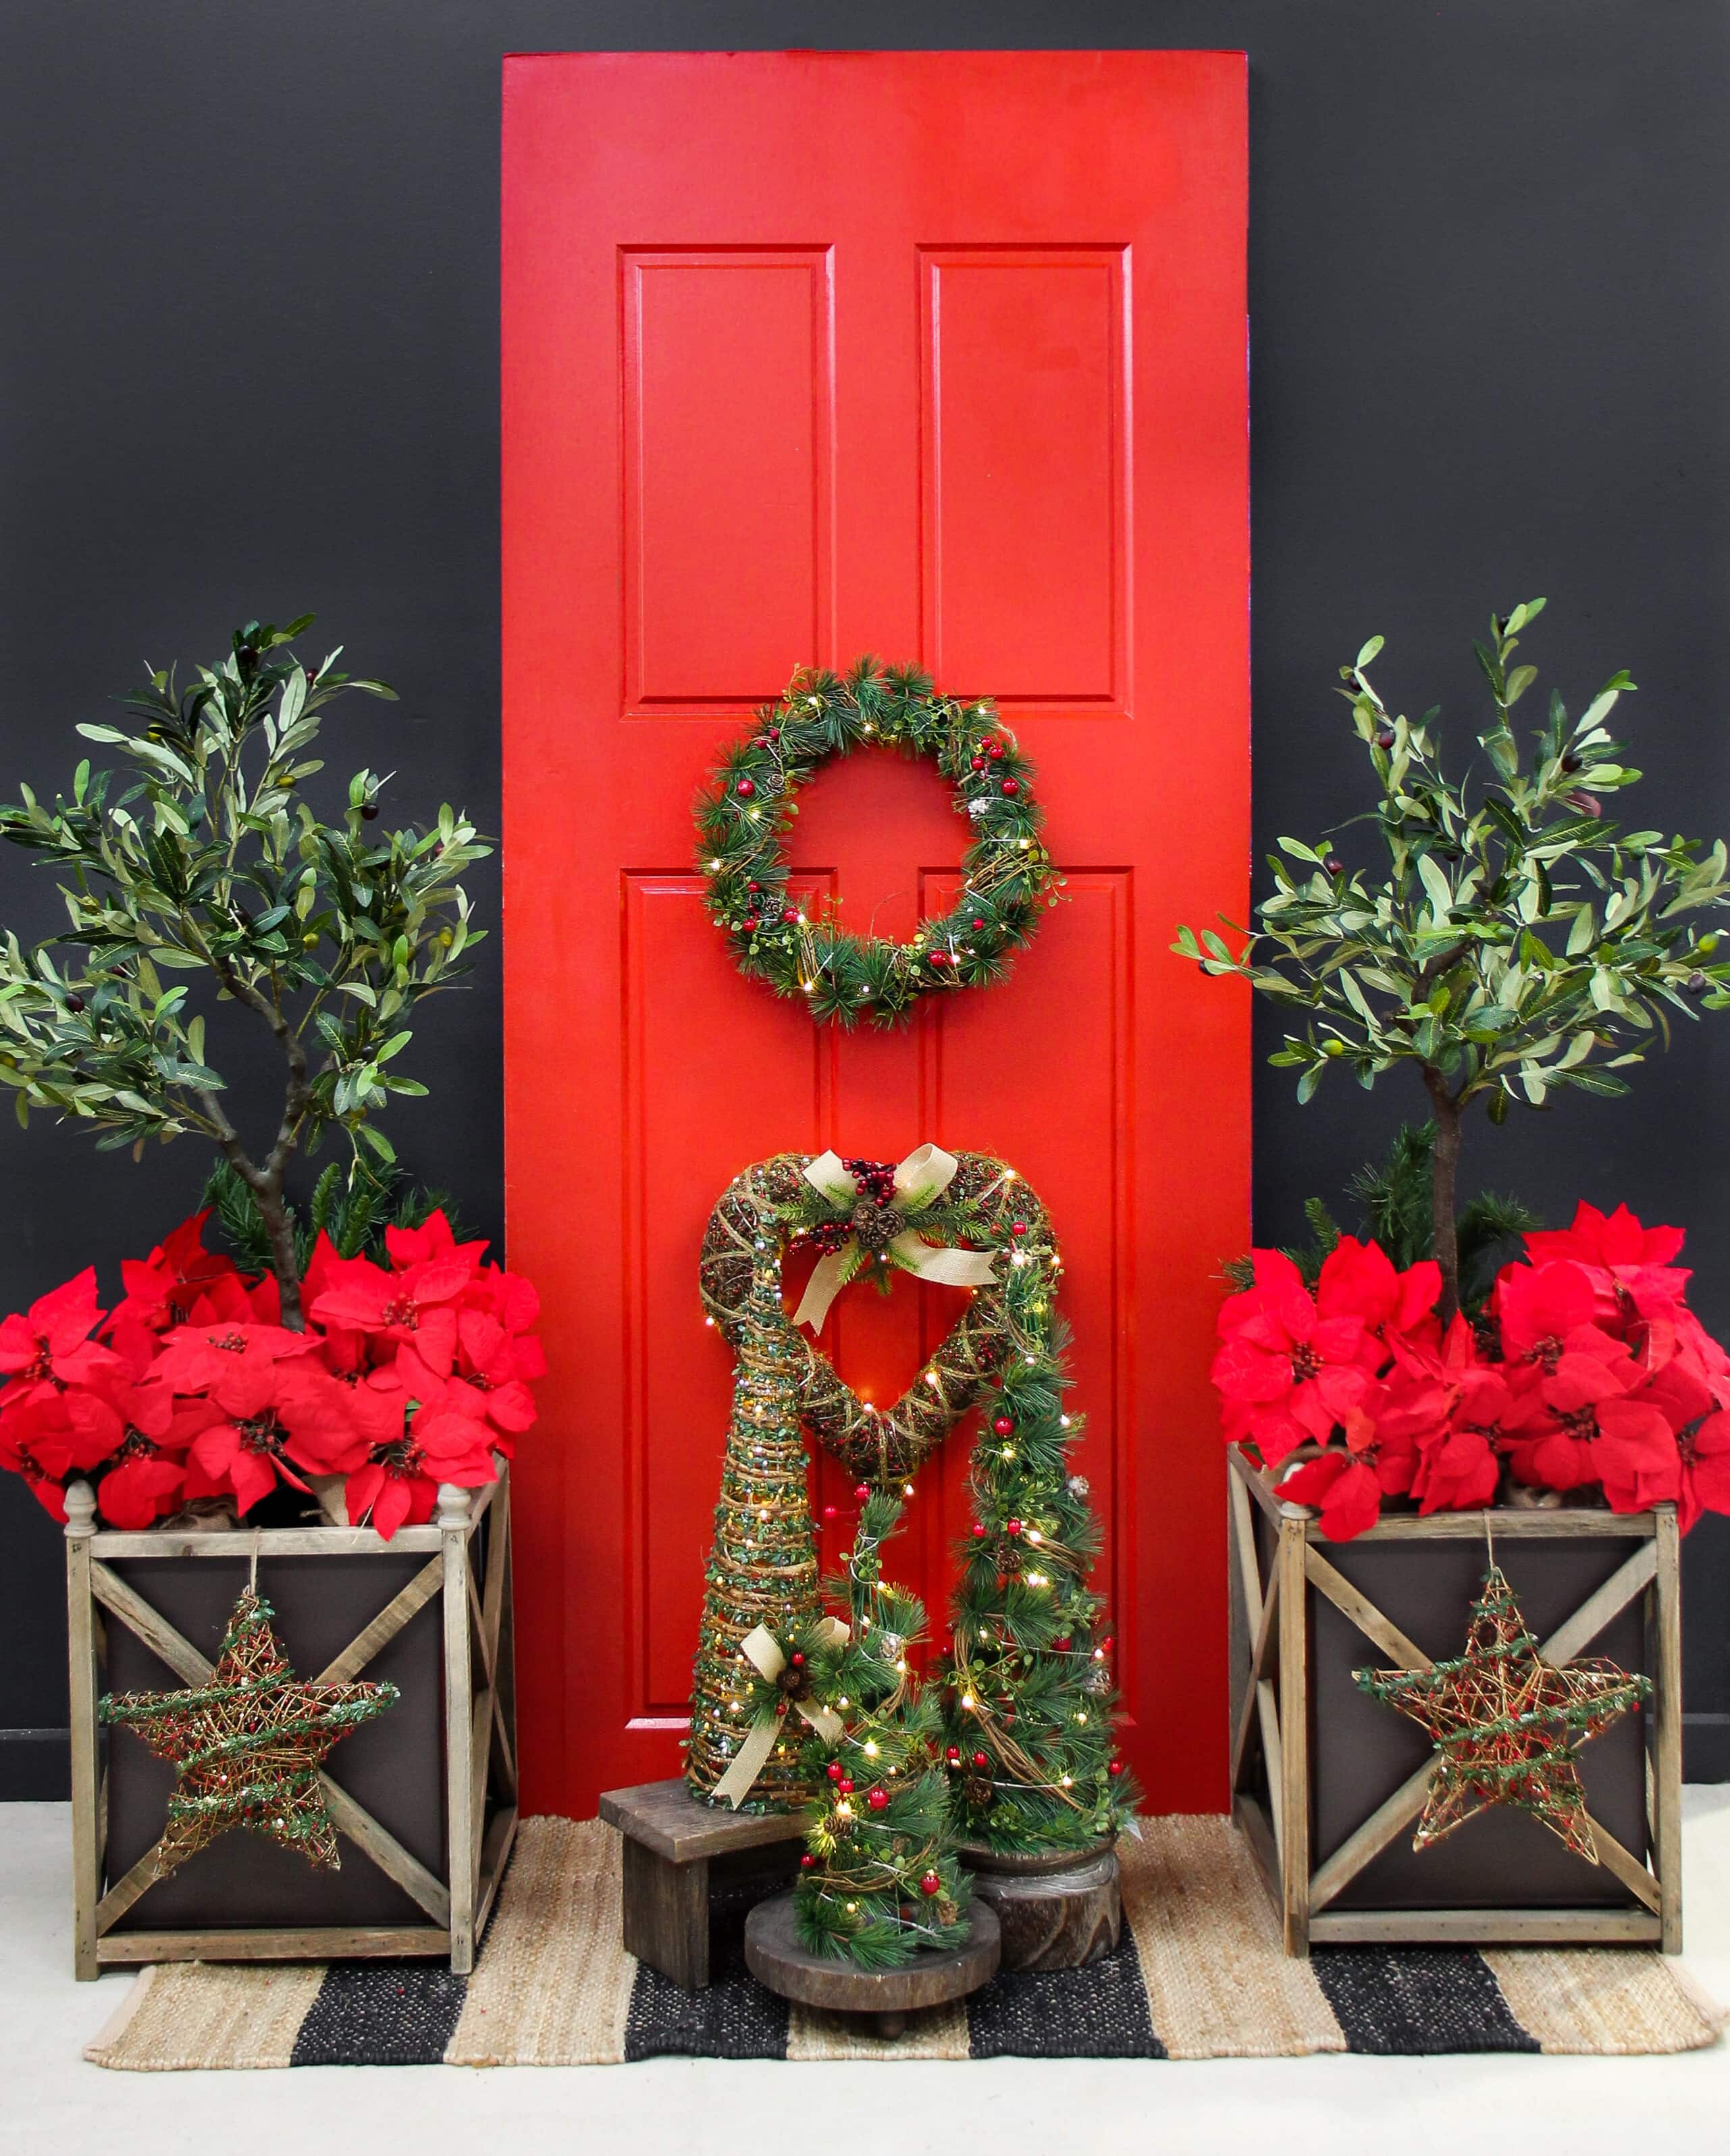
<point x="424" y="1799"/>
<point x="1328" y="1783"/>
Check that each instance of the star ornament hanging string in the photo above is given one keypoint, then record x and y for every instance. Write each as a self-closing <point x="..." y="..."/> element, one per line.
<point x="248" y="1743"/>
<point x="1507" y="1723"/>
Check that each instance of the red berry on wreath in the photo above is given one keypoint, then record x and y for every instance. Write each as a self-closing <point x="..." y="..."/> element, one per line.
<point x="931" y="1884"/>
<point x="994" y="750"/>
<point x="807" y="1861"/>
<point x="745" y="789"/>
<point x="1106" y="1644"/>
<point x="831" y="1512"/>
<point x="877" y="1798"/>
<point x="789" y="916"/>
<point x="978" y="762"/>
<point x="775" y="733"/>
<point x="753" y="885"/>
<point x="749" y="924"/>
<point x="980" y="1759"/>
<point x="798" y="1660"/>
<point x="1017" y="1227"/>
<point x="939" y="958"/>
<point x="978" y="922"/>
<point x="1003" y="1425"/>
<point x="979" y="1530"/>
<point x="862" y="1490"/>
<point x="1012" y="786"/>
<point x="1115" y="1769"/>
<point x="953" y="1755"/>
<point x="1012" y="1527"/>
<point x="1062" y="1646"/>
<point x="845" y="1785"/>
<point x="836" y="1770"/>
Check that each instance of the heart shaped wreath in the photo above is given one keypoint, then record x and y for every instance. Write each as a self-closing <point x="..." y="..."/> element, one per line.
<point x="743" y="818"/>
<point x="865" y="1216"/>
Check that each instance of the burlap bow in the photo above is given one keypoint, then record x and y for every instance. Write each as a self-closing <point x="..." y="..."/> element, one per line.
<point x="925" y="1173"/>
<point x="764" y="1651"/>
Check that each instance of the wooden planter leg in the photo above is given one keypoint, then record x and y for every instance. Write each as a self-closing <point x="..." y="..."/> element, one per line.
<point x="1294" y="1737"/>
<point x="1667" y="1732"/>
<point x="86" y="1855"/>
<point x="452" y="1519"/>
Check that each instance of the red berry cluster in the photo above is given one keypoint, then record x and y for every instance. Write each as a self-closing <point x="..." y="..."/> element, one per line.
<point x="875" y="1179"/>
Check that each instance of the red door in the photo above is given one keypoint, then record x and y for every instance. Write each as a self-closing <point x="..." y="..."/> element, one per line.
<point x="938" y="356"/>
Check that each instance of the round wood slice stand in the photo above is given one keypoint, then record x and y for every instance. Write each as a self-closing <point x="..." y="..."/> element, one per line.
<point x="1060" y="1911"/>
<point x="775" y="1957"/>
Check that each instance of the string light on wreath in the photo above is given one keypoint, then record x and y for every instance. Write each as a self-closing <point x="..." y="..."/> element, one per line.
<point x="743" y="818"/>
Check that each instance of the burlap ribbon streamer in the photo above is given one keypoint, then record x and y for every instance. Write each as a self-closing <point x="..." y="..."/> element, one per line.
<point x="923" y="1176"/>
<point x="763" y="1649"/>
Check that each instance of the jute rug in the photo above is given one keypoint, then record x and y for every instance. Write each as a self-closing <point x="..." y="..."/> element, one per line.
<point x="1200" y="1975"/>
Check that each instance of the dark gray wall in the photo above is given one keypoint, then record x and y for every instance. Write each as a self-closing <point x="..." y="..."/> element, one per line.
<point x="249" y="265"/>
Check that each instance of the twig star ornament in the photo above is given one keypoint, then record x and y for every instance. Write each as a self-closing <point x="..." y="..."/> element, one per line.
<point x="1507" y="1723"/>
<point x="247" y="1745"/>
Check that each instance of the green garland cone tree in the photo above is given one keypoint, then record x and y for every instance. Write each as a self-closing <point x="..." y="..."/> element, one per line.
<point x="1517" y="944"/>
<point x="198" y="869"/>
<point x="762" y="1568"/>
<point x="1031" y="1708"/>
<point x="880" y="1882"/>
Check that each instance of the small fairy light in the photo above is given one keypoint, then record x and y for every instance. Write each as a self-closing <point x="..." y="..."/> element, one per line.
<point x="1019" y="1258"/>
<point x="708" y="1321"/>
<point x="1064" y="1420"/>
<point x="1037" y="1579"/>
<point x="900" y="1665"/>
<point x="968" y="1701"/>
<point x="816" y="703"/>
<point x="870" y="1748"/>
<point x="907" y="1489"/>
<point x="1099" y="1653"/>
<point x="844" y="1809"/>
<point x="852" y="1906"/>
<point x="842" y="1701"/>
<point x="1032" y="1533"/>
<point x="1080" y="1717"/>
<point x="1069" y="1781"/>
<point x="715" y="865"/>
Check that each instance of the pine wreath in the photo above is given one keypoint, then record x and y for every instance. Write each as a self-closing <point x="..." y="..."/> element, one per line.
<point x="744" y="814"/>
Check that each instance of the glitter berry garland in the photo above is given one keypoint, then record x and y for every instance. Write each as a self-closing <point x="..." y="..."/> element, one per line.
<point x="744" y="815"/>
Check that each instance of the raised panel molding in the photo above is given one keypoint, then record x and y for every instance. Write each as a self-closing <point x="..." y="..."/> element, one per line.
<point x="727" y="382"/>
<point x="683" y="1143"/>
<point x="1024" y="479"/>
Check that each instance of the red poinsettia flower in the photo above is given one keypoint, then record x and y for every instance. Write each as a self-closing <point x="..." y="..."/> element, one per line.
<point x="1358" y="1280"/>
<point x="433" y="1238"/>
<point x="499" y="1366"/>
<point x="508" y="1297"/>
<point x="1705" y="1454"/>
<point x="1287" y="1374"/>
<point x="335" y="1422"/>
<point x="51" y="1345"/>
<point x="414" y="1306"/>
<point x="1582" y="1427"/>
<point x="1345" y="1489"/>
<point x="162" y="1288"/>
<point x="146" y="1477"/>
<point x="1547" y="1316"/>
<point x="401" y="1481"/>
<point x="231" y="1362"/>
<point x="1612" y="1240"/>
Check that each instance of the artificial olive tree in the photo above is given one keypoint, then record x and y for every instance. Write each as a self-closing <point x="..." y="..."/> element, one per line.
<point x="198" y="872"/>
<point x="1517" y="944"/>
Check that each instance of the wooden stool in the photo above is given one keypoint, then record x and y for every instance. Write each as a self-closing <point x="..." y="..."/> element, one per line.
<point x="886" y="1996"/>
<point x="675" y="1850"/>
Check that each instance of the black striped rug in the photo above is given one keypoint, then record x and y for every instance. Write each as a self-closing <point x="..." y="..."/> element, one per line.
<point x="1198" y="1974"/>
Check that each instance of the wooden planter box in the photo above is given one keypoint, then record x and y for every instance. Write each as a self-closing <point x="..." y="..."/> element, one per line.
<point x="1327" y="1783"/>
<point x="424" y="1798"/>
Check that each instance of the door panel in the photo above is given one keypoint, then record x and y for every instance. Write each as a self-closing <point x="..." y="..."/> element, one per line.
<point x="939" y="356"/>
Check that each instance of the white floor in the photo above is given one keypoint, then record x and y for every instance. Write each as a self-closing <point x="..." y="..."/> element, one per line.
<point x="53" y="2104"/>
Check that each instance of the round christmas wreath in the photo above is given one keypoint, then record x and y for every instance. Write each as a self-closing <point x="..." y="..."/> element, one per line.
<point x="743" y="817"/>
